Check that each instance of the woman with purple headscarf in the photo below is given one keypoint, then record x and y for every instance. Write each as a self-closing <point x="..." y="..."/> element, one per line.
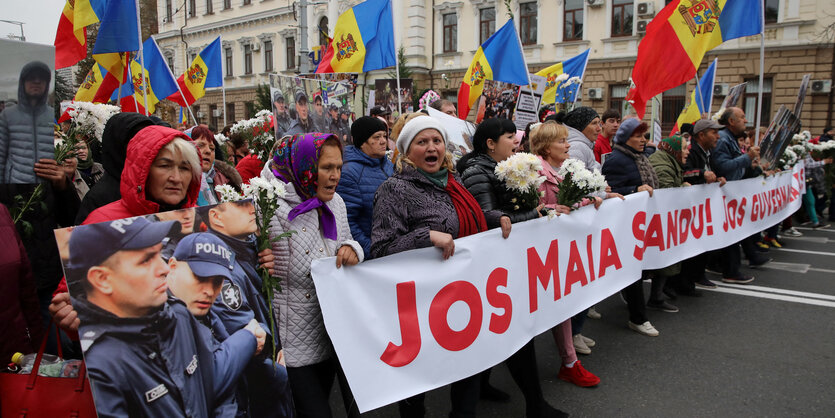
<point x="310" y="166"/>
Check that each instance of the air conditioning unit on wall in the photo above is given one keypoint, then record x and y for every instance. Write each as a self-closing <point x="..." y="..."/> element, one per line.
<point x="720" y="89"/>
<point x="646" y="9"/>
<point x="596" y="93"/>
<point x="217" y="112"/>
<point x="820" y="86"/>
<point x="641" y="26"/>
<point x="256" y="46"/>
<point x="595" y="3"/>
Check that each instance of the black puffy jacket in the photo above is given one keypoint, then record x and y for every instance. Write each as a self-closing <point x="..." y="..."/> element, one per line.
<point x="479" y="177"/>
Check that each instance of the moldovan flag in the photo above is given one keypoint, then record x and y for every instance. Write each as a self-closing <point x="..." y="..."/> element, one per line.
<point x="499" y="58"/>
<point x="363" y="40"/>
<point x="205" y="71"/>
<point x="700" y="100"/>
<point x="183" y="115"/>
<point x="71" y="37"/>
<point x="572" y="67"/>
<point x="159" y="80"/>
<point x="97" y="86"/>
<point x="680" y="35"/>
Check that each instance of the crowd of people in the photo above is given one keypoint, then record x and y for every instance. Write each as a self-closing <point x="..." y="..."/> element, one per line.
<point x="152" y="301"/>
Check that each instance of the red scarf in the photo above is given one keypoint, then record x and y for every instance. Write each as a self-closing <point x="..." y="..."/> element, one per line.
<point x="470" y="216"/>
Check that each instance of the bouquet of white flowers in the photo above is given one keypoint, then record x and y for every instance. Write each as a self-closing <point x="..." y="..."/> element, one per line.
<point x="823" y="150"/>
<point x="88" y="119"/>
<point x="263" y="194"/>
<point x="788" y="159"/>
<point x="578" y="183"/>
<point x="258" y="133"/>
<point x="520" y="174"/>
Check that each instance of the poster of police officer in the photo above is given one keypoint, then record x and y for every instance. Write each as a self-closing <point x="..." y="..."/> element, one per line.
<point x="26" y="116"/>
<point x="172" y="320"/>
<point x="303" y="105"/>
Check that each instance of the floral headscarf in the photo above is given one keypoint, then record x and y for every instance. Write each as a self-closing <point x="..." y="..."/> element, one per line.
<point x="296" y="161"/>
<point x="673" y="145"/>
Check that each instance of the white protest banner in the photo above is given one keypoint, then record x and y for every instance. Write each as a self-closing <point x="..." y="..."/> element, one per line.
<point x="411" y="322"/>
<point x="527" y="104"/>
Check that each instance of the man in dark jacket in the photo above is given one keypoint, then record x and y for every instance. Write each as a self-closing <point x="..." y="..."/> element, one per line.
<point x="26" y="129"/>
<point x="366" y="168"/>
<point x="200" y="264"/>
<point x="282" y="120"/>
<point x="302" y="123"/>
<point x="240" y="300"/>
<point x="118" y="131"/>
<point x="144" y="354"/>
<point x="697" y="169"/>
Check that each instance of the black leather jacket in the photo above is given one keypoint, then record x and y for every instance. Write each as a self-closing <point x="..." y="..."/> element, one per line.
<point x="480" y="179"/>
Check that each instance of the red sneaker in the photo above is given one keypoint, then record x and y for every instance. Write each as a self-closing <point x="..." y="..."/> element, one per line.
<point x="578" y="375"/>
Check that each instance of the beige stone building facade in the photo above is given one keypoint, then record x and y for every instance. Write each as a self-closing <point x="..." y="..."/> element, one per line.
<point x="440" y="37"/>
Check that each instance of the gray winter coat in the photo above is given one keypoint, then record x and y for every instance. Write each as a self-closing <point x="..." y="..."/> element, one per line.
<point x="582" y="149"/>
<point x="26" y="133"/>
<point x="298" y="314"/>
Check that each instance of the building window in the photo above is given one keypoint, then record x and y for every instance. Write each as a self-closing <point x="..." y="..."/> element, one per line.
<point x="291" y="53"/>
<point x="192" y="56"/>
<point x="617" y="96"/>
<point x="168" y="10"/>
<point x="487" y="23"/>
<point x="573" y="20"/>
<point x="323" y="31"/>
<point x="672" y="102"/>
<point x="197" y="116"/>
<point x="230" y="111"/>
<point x="249" y="110"/>
<point x="212" y="117"/>
<point x="450" y="32"/>
<point x="209" y="6"/>
<point x="622" y="12"/>
<point x="192" y="8"/>
<point x="246" y="2"/>
<point x="170" y="62"/>
<point x="247" y="59"/>
<point x="268" y="56"/>
<point x="750" y="99"/>
<point x="527" y="23"/>
<point x="771" y="9"/>
<point x="228" y="52"/>
<point x="227" y="4"/>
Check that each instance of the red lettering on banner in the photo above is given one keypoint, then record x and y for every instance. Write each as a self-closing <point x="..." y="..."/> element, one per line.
<point x="637" y="222"/>
<point x="576" y="271"/>
<point x="684" y="222"/>
<point x="591" y="257"/>
<point x="401" y="355"/>
<point x="447" y="337"/>
<point x="543" y="272"/>
<point x="499" y="323"/>
<point x="734" y="213"/>
<point x="672" y="228"/>
<point x="655" y="233"/>
<point x="708" y="217"/>
<point x="698" y="215"/>
<point x="608" y="253"/>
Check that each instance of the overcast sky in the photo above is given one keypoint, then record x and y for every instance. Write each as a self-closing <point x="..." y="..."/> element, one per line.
<point x="40" y="18"/>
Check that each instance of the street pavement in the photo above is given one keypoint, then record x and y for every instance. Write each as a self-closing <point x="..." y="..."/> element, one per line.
<point x="766" y="349"/>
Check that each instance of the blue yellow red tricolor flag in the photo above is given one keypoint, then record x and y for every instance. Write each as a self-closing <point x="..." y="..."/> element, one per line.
<point x="98" y="86"/>
<point x="159" y="80"/>
<point x="572" y="67"/>
<point x="363" y="40"/>
<point x="205" y="71"/>
<point x="71" y="36"/>
<point x="498" y="58"/>
<point x="680" y="35"/>
<point x="700" y="100"/>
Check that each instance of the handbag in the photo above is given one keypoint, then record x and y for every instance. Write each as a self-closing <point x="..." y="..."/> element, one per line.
<point x="40" y="396"/>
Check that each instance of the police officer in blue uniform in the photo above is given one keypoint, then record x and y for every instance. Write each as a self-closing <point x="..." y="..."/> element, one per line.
<point x="199" y="265"/>
<point x="266" y="392"/>
<point x="144" y="354"/>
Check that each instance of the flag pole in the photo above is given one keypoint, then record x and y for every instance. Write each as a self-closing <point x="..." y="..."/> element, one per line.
<point x="586" y="64"/>
<point x="396" y="65"/>
<point x="700" y="99"/>
<point x="762" y="69"/>
<point x="119" y="94"/>
<point x="223" y="85"/>
<point x="141" y="55"/>
<point x="524" y="60"/>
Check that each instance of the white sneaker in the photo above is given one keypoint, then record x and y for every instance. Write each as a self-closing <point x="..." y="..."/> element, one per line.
<point x="646" y="329"/>
<point x="593" y="314"/>
<point x="589" y="342"/>
<point x="580" y="345"/>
